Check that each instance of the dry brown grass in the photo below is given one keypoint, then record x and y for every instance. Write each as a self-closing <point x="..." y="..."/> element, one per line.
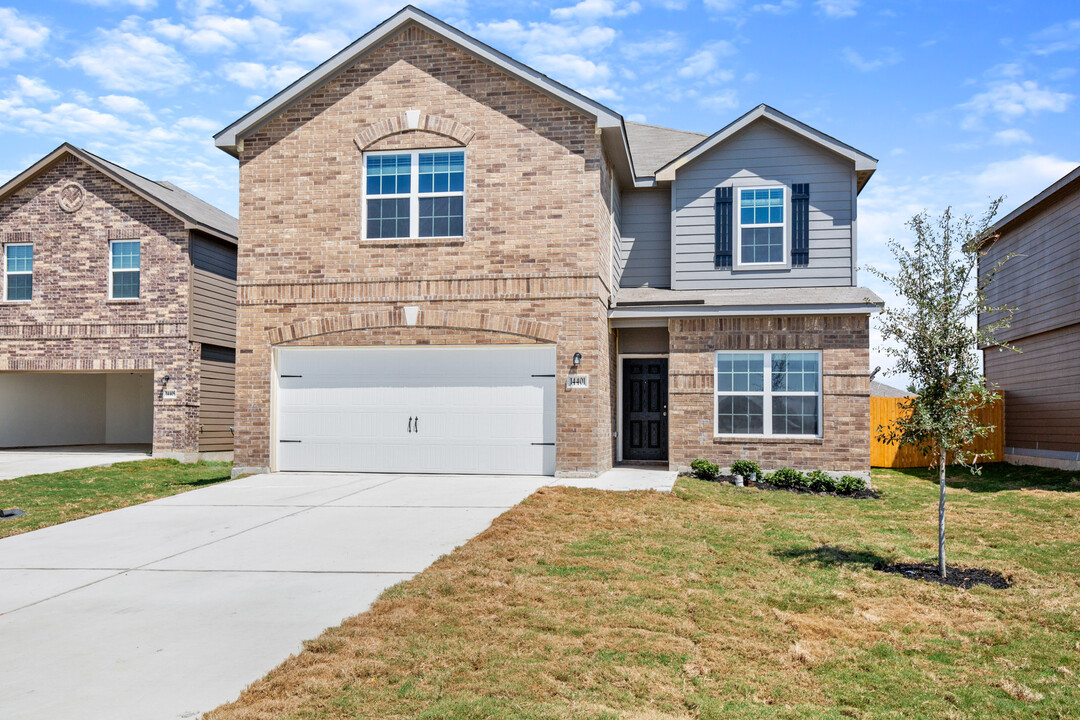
<point x="713" y="602"/>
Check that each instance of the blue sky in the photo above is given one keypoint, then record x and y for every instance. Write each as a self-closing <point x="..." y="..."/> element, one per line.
<point x="960" y="100"/>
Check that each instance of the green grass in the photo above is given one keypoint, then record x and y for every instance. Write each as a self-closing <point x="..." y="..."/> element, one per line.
<point x="63" y="496"/>
<point x="718" y="602"/>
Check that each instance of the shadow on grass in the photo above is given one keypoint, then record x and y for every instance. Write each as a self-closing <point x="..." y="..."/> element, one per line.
<point x="200" y="482"/>
<point x="831" y="556"/>
<point x="998" y="477"/>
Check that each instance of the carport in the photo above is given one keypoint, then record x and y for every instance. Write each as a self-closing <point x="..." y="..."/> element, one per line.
<point x="44" y="409"/>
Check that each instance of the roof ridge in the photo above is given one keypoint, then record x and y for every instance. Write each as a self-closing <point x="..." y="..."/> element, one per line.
<point x="126" y="169"/>
<point x="665" y="127"/>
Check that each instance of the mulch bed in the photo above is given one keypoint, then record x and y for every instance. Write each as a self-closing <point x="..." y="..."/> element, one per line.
<point x="956" y="576"/>
<point x="861" y="495"/>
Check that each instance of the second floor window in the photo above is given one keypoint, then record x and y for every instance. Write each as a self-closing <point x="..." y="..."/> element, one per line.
<point x="761" y="225"/>
<point x="124" y="269"/>
<point x="414" y="194"/>
<point x="18" y="272"/>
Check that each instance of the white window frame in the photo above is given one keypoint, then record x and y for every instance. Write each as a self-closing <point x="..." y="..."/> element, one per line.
<point x="414" y="194"/>
<point x="29" y="272"/>
<point x="112" y="270"/>
<point x="786" y="225"/>
<point x="767" y="395"/>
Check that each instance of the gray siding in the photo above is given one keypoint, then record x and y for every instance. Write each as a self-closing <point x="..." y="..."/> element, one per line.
<point x="1042" y="282"/>
<point x="645" y="250"/>
<point x="1042" y="389"/>
<point x="616" y="236"/>
<point x="762" y="154"/>
<point x="213" y="292"/>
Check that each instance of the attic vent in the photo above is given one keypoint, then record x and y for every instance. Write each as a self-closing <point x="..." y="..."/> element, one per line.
<point x="125" y="233"/>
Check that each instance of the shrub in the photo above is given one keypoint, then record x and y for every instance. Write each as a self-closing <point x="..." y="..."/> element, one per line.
<point x="746" y="468"/>
<point x="787" y="478"/>
<point x="821" y="481"/>
<point x="705" y="470"/>
<point x="849" y="485"/>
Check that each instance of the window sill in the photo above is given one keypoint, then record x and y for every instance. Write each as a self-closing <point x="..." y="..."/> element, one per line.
<point x="762" y="267"/>
<point x="15" y="302"/>
<point x="413" y="242"/>
<point x="123" y="301"/>
<point x="773" y="439"/>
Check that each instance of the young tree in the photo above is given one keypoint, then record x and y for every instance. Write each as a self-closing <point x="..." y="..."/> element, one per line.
<point x="935" y="336"/>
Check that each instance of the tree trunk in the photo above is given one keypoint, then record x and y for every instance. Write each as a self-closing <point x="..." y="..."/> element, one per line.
<point x="941" y="515"/>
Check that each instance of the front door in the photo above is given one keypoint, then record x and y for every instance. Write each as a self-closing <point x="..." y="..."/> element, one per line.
<point x="645" y="398"/>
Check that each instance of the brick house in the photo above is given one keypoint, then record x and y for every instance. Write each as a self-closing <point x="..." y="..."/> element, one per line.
<point x="451" y="263"/>
<point x="117" y="311"/>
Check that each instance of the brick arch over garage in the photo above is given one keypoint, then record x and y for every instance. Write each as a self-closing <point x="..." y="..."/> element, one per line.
<point x="447" y="319"/>
<point x="410" y="122"/>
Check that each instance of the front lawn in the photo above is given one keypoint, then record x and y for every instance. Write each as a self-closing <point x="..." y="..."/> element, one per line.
<point x="59" y="497"/>
<point x="719" y="602"/>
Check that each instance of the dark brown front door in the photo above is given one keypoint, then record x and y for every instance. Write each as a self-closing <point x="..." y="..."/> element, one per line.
<point x="645" y="394"/>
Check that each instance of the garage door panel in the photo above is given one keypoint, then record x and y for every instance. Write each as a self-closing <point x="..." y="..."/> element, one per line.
<point x="439" y="410"/>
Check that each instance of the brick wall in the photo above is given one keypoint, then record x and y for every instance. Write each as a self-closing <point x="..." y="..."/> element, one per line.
<point x="534" y="246"/>
<point x="70" y="324"/>
<point x="845" y="345"/>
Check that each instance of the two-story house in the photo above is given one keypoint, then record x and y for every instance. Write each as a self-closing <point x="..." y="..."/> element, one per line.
<point x="1041" y="282"/>
<point x="448" y="262"/>
<point x="117" y="311"/>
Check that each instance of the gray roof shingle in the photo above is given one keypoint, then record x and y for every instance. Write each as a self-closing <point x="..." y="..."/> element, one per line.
<point x="653" y="147"/>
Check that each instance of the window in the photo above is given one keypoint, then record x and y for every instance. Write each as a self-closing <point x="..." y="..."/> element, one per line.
<point x="18" y="272"/>
<point x="768" y="393"/>
<point x="762" y="225"/>
<point x="414" y="194"/>
<point x="124" y="269"/>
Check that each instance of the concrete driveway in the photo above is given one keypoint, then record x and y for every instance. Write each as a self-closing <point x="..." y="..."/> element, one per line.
<point x="165" y="610"/>
<point x="36" y="461"/>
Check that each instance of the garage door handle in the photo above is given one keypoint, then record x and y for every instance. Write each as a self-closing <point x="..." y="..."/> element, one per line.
<point x="410" y="423"/>
<point x="288" y="441"/>
<point x="416" y="424"/>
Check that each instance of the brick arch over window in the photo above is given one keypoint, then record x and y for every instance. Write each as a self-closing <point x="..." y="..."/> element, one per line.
<point x="403" y="123"/>
<point x="544" y="332"/>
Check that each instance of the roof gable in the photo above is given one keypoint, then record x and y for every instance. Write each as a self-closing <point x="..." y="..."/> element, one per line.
<point x="193" y="212"/>
<point x="231" y="138"/>
<point x="864" y="164"/>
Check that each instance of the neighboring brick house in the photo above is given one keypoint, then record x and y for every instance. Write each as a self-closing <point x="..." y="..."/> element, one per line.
<point x="117" y="311"/>
<point x="451" y="263"/>
<point x="1041" y="282"/>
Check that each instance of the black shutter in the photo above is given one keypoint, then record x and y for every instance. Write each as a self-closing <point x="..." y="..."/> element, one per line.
<point x="800" y="224"/>
<point x="724" y="227"/>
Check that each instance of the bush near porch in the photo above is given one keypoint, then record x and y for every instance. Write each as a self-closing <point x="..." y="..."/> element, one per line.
<point x="719" y="602"/>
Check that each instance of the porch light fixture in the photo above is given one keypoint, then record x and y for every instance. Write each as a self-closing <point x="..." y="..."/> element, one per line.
<point x="577" y="359"/>
<point x="165" y="380"/>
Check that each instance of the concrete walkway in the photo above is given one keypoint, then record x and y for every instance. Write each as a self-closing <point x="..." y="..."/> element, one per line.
<point x="168" y="609"/>
<point x="20" y="462"/>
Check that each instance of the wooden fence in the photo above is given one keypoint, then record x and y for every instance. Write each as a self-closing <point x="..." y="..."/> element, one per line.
<point x="886" y="410"/>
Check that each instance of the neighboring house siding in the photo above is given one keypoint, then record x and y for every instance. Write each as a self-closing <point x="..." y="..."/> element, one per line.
<point x="1042" y="390"/>
<point x="217" y="374"/>
<point x="645" y="250"/>
<point x="1042" y="283"/>
<point x="213" y="291"/>
<point x="765" y="153"/>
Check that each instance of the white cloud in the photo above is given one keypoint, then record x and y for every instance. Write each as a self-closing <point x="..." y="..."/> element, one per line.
<point x="126" y="61"/>
<point x="838" y="8"/>
<point x="1010" y="100"/>
<point x="1019" y="179"/>
<point x="317" y="46"/>
<point x="636" y="117"/>
<point x="706" y="60"/>
<point x="19" y="36"/>
<point x="258" y="75"/>
<point x="1012" y="136"/>
<point x="572" y="69"/>
<point x="221" y="33"/>
<point x="723" y="7"/>
<point x="782" y="7"/>
<point x="539" y="38"/>
<point x="591" y="9"/>
<point x="724" y="100"/>
<point x="125" y="105"/>
<point x="68" y="119"/>
<point x="1064" y="36"/>
<point x="34" y="89"/>
<point x="664" y="43"/>
<point x="889" y="56"/>
<point x="137" y="4"/>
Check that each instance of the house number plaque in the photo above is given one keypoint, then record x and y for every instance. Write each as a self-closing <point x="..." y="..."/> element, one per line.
<point x="577" y="381"/>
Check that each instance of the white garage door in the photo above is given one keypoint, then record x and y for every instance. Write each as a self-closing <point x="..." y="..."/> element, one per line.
<point x="477" y="409"/>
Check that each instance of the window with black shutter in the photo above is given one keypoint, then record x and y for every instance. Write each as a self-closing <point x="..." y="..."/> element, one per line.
<point x="723" y="227"/>
<point x="800" y="224"/>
